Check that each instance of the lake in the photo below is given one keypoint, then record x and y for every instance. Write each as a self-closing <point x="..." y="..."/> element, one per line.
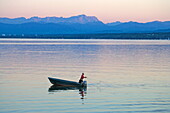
<point x="123" y="75"/>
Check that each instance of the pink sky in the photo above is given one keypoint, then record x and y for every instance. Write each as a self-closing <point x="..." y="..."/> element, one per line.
<point x="105" y="10"/>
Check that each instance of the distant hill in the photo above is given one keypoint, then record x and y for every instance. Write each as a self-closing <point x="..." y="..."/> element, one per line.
<point x="135" y="27"/>
<point x="114" y="23"/>
<point x="80" y="24"/>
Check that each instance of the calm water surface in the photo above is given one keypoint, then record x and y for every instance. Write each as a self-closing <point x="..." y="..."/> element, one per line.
<point x="123" y="75"/>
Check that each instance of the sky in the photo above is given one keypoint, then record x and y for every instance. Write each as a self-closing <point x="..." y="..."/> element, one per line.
<point x="105" y="10"/>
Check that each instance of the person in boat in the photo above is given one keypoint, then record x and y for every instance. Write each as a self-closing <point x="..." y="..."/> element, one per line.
<point x="81" y="78"/>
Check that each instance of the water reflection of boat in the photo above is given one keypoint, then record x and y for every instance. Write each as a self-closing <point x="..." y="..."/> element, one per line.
<point x="61" y="82"/>
<point x="82" y="90"/>
<point x="54" y="88"/>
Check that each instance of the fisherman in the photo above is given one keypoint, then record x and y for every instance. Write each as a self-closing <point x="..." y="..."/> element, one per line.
<point x="81" y="78"/>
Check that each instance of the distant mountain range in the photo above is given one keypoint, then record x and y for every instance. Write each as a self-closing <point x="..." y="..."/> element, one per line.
<point x="80" y="24"/>
<point x="81" y="19"/>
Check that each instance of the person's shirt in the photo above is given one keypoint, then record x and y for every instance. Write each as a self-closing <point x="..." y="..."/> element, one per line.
<point x="82" y="77"/>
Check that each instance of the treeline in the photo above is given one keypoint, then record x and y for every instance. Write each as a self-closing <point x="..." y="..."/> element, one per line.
<point x="140" y="36"/>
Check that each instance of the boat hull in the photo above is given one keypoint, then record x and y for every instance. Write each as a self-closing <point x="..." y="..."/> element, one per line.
<point x="61" y="82"/>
